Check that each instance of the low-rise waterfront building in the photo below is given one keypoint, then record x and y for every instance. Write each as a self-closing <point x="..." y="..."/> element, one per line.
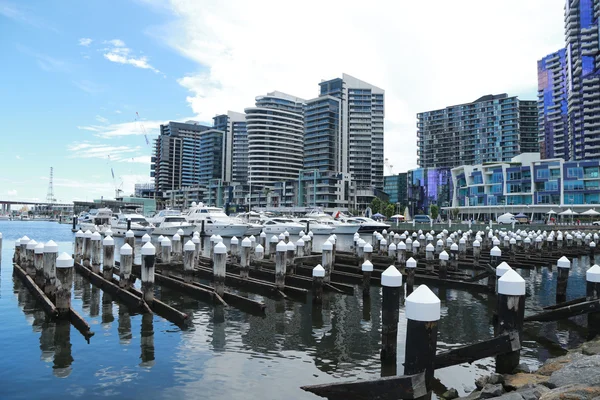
<point x="395" y="187"/>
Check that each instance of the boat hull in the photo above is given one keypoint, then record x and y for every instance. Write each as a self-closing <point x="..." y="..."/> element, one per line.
<point x="277" y="229"/>
<point x="187" y="229"/>
<point x="345" y="229"/>
<point x="223" y="230"/>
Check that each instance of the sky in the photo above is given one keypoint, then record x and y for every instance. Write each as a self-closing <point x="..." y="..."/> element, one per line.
<point x="84" y="83"/>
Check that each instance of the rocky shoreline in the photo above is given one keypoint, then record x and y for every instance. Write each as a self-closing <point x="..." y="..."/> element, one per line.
<point x="574" y="376"/>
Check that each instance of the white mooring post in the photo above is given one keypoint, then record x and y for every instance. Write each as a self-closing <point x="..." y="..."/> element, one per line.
<point x="592" y="277"/>
<point x="64" y="282"/>
<point x="411" y="267"/>
<point x="96" y="253"/>
<point x="245" y="258"/>
<point x="38" y="264"/>
<point x="318" y="274"/>
<point x="259" y="252"/>
<point x="219" y="268"/>
<point x="391" y="283"/>
<point x="511" y="311"/>
<point x="562" y="279"/>
<point x="233" y="249"/>
<point x="165" y="246"/>
<point x="108" y="259"/>
<point x="50" y="256"/>
<point x="148" y="261"/>
<point x="189" y="250"/>
<point x="125" y="266"/>
<point x="327" y="261"/>
<point x="280" y="267"/>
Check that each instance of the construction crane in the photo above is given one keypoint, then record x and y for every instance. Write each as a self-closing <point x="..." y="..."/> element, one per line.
<point x="142" y="128"/>
<point x="389" y="166"/>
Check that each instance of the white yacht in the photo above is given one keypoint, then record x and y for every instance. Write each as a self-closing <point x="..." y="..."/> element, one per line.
<point x="252" y="219"/>
<point x="367" y="224"/>
<point x="339" y="227"/>
<point x="216" y="222"/>
<point x="168" y="225"/>
<point x="139" y="225"/>
<point x="100" y="220"/>
<point x="4" y="217"/>
<point x="277" y="225"/>
<point x="316" y="227"/>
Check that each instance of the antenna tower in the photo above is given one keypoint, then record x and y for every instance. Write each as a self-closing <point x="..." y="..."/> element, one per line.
<point x="50" y="196"/>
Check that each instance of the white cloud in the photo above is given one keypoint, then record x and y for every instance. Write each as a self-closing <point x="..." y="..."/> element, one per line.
<point x="12" y="193"/>
<point x="117" y="111"/>
<point x="18" y="157"/>
<point x="119" y="53"/>
<point x="89" y="86"/>
<point x="104" y="151"/>
<point x="124" y="129"/>
<point x="426" y="55"/>
<point x="85" y="42"/>
<point x="101" y="119"/>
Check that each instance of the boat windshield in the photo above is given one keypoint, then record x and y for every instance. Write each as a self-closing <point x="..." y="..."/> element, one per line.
<point x="175" y="219"/>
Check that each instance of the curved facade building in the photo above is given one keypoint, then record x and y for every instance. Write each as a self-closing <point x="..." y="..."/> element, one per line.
<point x="275" y="129"/>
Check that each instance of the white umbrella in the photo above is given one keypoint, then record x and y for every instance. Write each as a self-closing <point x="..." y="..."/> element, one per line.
<point x="590" y="212"/>
<point x="569" y="212"/>
<point x="551" y="212"/>
<point x="397" y="216"/>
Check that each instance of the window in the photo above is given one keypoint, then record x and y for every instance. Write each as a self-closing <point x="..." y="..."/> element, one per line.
<point x="573" y="185"/>
<point x="590" y="172"/>
<point x="542" y="173"/>
<point x="575" y="172"/>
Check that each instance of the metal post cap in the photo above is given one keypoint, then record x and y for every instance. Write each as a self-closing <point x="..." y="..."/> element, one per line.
<point x="129" y="234"/>
<point x="234" y="240"/>
<point x="50" y="247"/>
<point x="148" y="249"/>
<point x="444" y="256"/>
<point x="401" y="246"/>
<point x="274" y="239"/>
<point x="502" y="268"/>
<point x="318" y="271"/>
<point x="180" y="232"/>
<point x="126" y="250"/>
<point x="259" y="249"/>
<point x="286" y="234"/>
<point x="392" y="246"/>
<point x="513" y="241"/>
<point x="302" y="233"/>
<point x="87" y="234"/>
<point x="367" y="248"/>
<point x="160" y="238"/>
<point x="220" y="248"/>
<point x="423" y="305"/>
<point x="189" y="246"/>
<point x="96" y="236"/>
<point x="391" y="277"/>
<point x="495" y="252"/>
<point x="563" y="262"/>
<point x="263" y="235"/>
<point x="246" y="242"/>
<point x="383" y="242"/>
<point x="411" y="263"/>
<point x="79" y="234"/>
<point x="281" y="237"/>
<point x="108" y="241"/>
<point x="31" y="245"/>
<point x="39" y="248"/>
<point x="300" y="243"/>
<point x="593" y="274"/>
<point x="476" y="243"/>
<point x="429" y="247"/>
<point x="176" y="237"/>
<point x="416" y="244"/>
<point x="291" y="246"/>
<point x="146" y="238"/>
<point x="165" y="242"/>
<point x="511" y="284"/>
<point x="281" y="246"/>
<point x="328" y="246"/>
<point x="196" y="239"/>
<point x="64" y="260"/>
<point x="454" y="247"/>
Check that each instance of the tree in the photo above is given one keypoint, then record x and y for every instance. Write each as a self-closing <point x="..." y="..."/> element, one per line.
<point x="434" y="211"/>
<point x="389" y="210"/>
<point x="455" y="212"/>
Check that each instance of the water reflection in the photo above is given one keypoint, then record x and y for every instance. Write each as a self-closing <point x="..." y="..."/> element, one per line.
<point x="62" y="349"/>
<point x="107" y="309"/>
<point x="147" y="341"/>
<point x="124" y="325"/>
<point x="95" y="302"/>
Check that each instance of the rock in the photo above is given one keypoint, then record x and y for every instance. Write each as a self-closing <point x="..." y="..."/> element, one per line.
<point x="517" y="381"/>
<point x="591" y="348"/>
<point x="572" y="392"/>
<point x="584" y="370"/>
<point x="495" y="379"/>
<point x="522" y="368"/>
<point x="482" y="381"/>
<point x="490" y="391"/>
<point x="532" y="392"/>
<point x="475" y="395"/>
<point x="510" y="396"/>
<point x="450" y="394"/>
<point x="557" y="363"/>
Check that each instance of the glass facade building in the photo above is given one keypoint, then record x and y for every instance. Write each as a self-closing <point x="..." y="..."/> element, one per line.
<point x="235" y="150"/>
<point x="395" y="187"/>
<point x="426" y="187"/>
<point x="492" y="128"/>
<point x="552" y="106"/>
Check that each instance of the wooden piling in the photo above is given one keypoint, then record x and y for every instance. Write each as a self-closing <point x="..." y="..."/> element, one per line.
<point x="423" y="314"/>
<point x="392" y="251"/>
<point x="177" y="247"/>
<point x="196" y="240"/>
<point x="272" y="247"/>
<point x="391" y="282"/>
<point x="50" y="255"/>
<point x="401" y="254"/>
<point x="495" y="254"/>
<point x="64" y="282"/>
<point x="165" y="246"/>
<point x="476" y="252"/>
<point x="592" y="277"/>
<point x="511" y="311"/>
<point x="189" y="249"/>
<point x="411" y="266"/>
<point x="289" y="257"/>
<point x="454" y="257"/>
<point x="326" y="260"/>
<point x="416" y="246"/>
<point x="125" y="266"/>
<point x="87" y="248"/>
<point x="259" y="252"/>
<point x="233" y="249"/>
<point x="108" y="257"/>
<point x="443" y="267"/>
<point x="367" y="270"/>
<point x="147" y="275"/>
<point x="130" y="240"/>
<point x="562" y="278"/>
<point x="429" y="257"/>
<point x="245" y="258"/>
<point x="262" y="240"/>
<point x="219" y="268"/>
<point x="29" y="258"/>
<point x="462" y="248"/>
<point x="96" y="251"/>
<point x="280" y="267"/>
<point x="38" y="264"/>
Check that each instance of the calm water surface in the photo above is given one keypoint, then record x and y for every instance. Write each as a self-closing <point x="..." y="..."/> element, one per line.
<point x="228" y="354"/>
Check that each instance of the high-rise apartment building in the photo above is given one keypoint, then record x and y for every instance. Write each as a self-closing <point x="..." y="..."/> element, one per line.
<point x="552" y="106"/>
<point x="275" y="129"/>
<point x="210" y="157"/>
<point x="492" y="128"/>
<point x="176" y="162"/>
<point x="583" y="77"/>
<point x="235" y="149"/>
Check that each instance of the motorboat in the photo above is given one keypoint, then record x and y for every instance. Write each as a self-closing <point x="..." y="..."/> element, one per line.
<point x="366" y="224"/>
<point x="214" y="221"/>
<point x="277" y="225"/>
<point x="314" y="226"/>
<point x="340" y="228"/>
<point x="169" y="225"/>
<point x="139" y="225"/>
<point x="252" y="219"/>
<point x="85" y="217"/>
<point x="4" y="218"/>
<point x="100" y="222"/>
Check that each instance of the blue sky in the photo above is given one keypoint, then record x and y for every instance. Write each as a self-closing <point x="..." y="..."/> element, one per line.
<point x="75" y="73"/>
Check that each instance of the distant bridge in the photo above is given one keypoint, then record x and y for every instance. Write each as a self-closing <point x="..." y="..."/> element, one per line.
<point x="34" y="203"/>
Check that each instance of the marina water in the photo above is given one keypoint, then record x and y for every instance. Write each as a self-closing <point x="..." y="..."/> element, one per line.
<point x="228" y="354"/>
